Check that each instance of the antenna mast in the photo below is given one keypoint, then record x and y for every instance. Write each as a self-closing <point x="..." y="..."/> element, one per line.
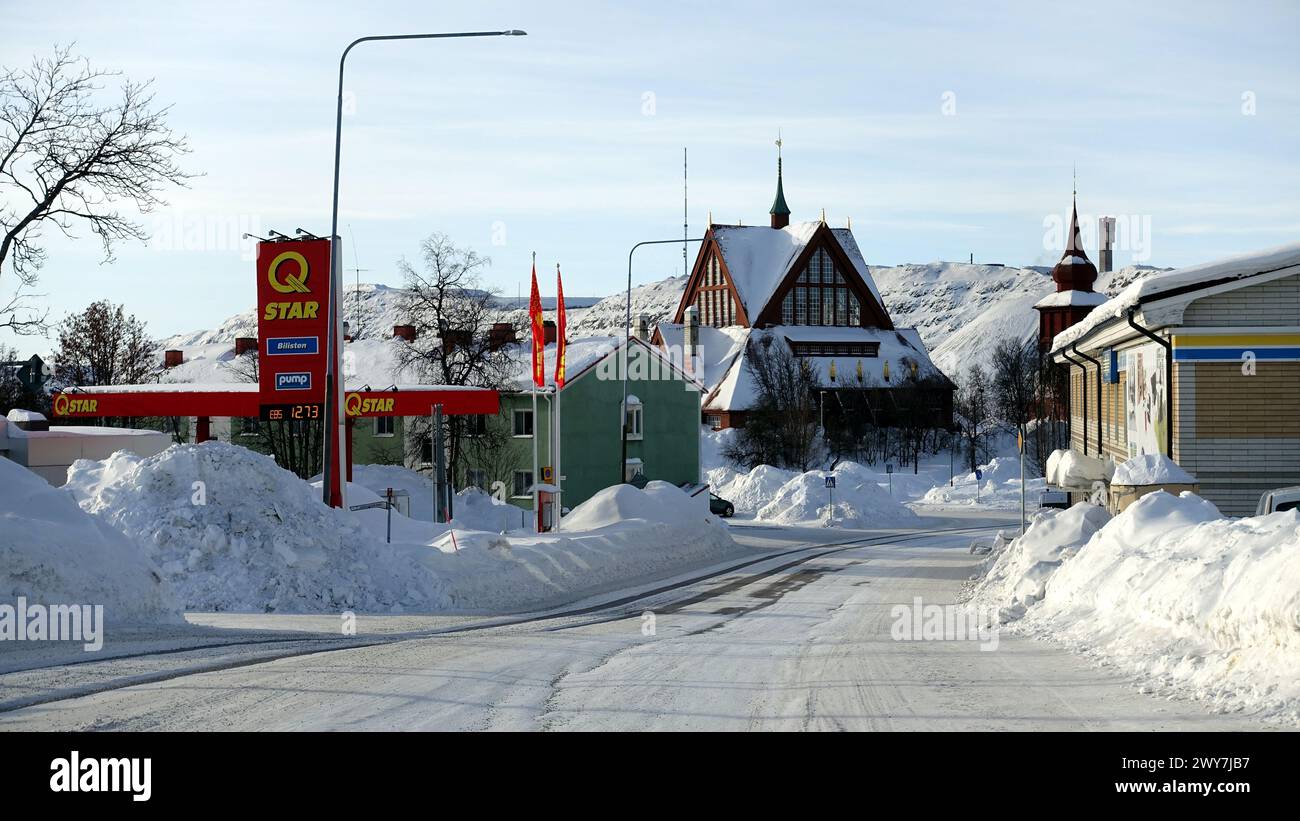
<point x="685" y="215"/>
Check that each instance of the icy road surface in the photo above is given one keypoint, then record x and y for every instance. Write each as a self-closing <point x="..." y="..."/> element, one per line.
<point x="799" y="638"/>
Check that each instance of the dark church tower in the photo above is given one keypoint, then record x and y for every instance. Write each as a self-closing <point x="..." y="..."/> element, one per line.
<point x="1074" y="276"/>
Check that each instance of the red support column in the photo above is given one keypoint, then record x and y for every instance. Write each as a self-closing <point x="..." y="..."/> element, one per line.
<point x="203" y="429"/>
<point x="352" y="423"/>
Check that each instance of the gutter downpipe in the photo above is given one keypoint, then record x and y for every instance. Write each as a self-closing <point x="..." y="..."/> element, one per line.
<point x="1169" y="377"/>
<point x="1075" y="347"/>
<point x="1084" y="394"/>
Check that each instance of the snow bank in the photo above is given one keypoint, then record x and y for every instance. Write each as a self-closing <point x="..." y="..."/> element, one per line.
<point x="1018" y="574"/>
<point x="472" y="509"/>
<point x="1071" y="469"/>
<point x="999" y="487"/>
<point x="1151" y="469"/>
<point x="20" y="415"/>
<point x="859" y="500"/>
<point x="231" y="530"/>
<point x="751" y="491"/>
<point x="660" y="503"/>
<point x="51" y="552"/>
<point x="1189" y="601"/>
<point x="258" y="538"/>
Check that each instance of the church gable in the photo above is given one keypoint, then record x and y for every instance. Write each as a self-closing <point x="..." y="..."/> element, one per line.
<point x="824" y="287"/>
<point x="712" y="290"/>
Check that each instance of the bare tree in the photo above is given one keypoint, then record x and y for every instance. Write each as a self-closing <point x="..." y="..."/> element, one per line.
<point x="103" y="345"/>
<point x="297" y="445"/>
<point x="780" y="429"/>
<point x="1014" y="365"/>
<point x="973" y="414"/>
<point x="453" y="313"/>
<point x="67" y="160"/>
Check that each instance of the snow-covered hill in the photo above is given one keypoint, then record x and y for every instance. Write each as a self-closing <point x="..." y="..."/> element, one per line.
<point x="960" y="309"/>
<point x="963" y="309"/>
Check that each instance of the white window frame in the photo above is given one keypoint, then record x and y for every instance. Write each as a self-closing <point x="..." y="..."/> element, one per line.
<point x="532" y="423"/>
<point x="632" y="467"/>
<point x="392" y="421"/>
<point x="635" y="432"/>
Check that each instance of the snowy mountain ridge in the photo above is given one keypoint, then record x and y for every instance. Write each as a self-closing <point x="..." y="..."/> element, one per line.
<point x="960" y="309"/>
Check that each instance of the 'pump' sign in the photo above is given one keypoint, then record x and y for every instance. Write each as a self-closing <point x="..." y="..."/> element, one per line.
<point x="292" y="320"/>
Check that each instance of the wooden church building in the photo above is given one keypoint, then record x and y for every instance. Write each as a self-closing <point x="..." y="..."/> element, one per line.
<point x="807" y="286"/>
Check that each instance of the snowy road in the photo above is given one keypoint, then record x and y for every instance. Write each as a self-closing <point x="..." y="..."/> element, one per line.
<point x="798" y="638"/>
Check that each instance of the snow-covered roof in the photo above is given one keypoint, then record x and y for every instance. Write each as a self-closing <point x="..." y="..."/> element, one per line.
<point x="759" y="258"/>
<point x="1153" y="287"/>
<point x="1071" y="298"/>
<point x="736" y="389"/>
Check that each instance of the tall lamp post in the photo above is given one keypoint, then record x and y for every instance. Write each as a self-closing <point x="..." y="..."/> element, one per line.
<point x="334" y="420"/>
<point x="627" y="342"/>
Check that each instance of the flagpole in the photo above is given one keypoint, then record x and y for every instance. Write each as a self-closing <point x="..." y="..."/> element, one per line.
<point x="537" y="510"/>
<point x="559" y="364"/>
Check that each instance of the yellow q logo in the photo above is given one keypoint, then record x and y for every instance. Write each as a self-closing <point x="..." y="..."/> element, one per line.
<point x="291" y="284"/>
<point x="352" y="404"/>
<point x="61" y="405"/>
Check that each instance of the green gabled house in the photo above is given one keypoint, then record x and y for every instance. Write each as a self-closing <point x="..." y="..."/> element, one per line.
<point x="662" y="417"/>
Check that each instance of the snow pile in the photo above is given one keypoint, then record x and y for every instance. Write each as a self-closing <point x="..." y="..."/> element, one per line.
<point x="998" y="487"/>
<point x="231" y="530"/>
<point x="858" y="499"/>
<point x="1151" y="469"/>
<point x="1069" y="468"/>
<point x="660" y="503"/>
<point x="1189" y="601"/>
<point x="20" y="415"/>
<point x="1018" y="574"/>
<point x="751" y="491"/>
<point x="618" y="536"/>
<point x="51" y="552"/>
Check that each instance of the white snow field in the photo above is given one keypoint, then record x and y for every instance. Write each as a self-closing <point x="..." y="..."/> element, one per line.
<point x="1170" y="591"/>
<point x="998" y="488"/>
<point x="856" y="502"/>
<point x="258" y="539"/>
<point x="799" y="639"/>
<point x="51" y="552"/>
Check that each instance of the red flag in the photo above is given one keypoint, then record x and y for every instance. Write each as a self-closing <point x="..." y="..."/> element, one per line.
<point x="539" y="333"/>
<point x="560" y="343"/>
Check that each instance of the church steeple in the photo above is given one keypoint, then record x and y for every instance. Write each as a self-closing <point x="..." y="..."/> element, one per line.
<point x="1075" y="272"/>
<point x="780" y="211"/>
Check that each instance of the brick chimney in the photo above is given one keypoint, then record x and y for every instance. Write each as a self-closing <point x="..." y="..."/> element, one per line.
<point x="502" y="334"/>
<point x="641" y="327"/>
<point x="691" y="350"/>
<point x="548" y="332"/>
<point x="456" y="338"/>
<point x="245" y="344"/>
<point x="406" y="332"/>
<point x="173" y="358"/>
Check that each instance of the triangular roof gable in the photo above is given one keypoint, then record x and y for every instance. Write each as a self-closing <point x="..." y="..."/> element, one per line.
<point x="709" y="248"/>
<point x="758" y="286"/>
<point x="873" y="307"/>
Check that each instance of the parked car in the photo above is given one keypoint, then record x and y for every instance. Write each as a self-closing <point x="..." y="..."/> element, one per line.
<point x="1275" y="501"/>
<point x="719" y="506"/>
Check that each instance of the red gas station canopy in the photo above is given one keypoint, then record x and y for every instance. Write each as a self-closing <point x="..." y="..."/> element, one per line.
<point x="245" y="401"/>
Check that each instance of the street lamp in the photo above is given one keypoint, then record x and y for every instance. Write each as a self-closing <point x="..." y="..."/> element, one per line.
<point x="627" y="343"/>
<point x="333" y="402"/>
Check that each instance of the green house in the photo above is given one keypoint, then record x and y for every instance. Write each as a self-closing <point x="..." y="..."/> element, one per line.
<point x="662" y="418"/>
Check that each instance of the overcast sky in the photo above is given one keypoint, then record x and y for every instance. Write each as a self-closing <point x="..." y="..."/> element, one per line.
<point x="942" y="130"/>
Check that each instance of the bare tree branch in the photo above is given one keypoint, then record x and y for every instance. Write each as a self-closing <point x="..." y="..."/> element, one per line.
<point x="69" y="160"/>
